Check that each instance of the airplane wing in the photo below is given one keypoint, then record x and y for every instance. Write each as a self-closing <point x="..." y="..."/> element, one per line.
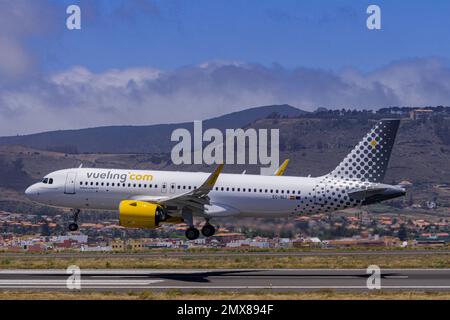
<point x="281" y="169"/>
<point x="194" y="199"/>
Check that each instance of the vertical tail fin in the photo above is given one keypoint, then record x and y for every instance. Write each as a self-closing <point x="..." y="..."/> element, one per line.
<point x="369" y="159"/>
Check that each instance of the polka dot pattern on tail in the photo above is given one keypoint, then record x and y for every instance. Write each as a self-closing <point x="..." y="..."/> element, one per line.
<point x="369" y="159"/>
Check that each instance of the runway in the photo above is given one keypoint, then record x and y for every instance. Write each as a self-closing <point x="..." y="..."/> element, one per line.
<point x="286" y="280"/>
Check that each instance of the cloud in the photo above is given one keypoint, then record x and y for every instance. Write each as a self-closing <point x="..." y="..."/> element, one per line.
<point x="78" y="97"/>
<point x="34" y="18"/>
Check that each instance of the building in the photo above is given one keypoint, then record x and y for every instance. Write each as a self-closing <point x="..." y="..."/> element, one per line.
<point x="118" y="245"/>
<point x="435" y="240"/>
<point x="420" y="114"/>
<point x="128" y="245"/>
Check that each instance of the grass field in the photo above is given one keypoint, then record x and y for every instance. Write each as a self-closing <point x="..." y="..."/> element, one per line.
<point x="242" y="261"/>
<point x="207" y="295"/>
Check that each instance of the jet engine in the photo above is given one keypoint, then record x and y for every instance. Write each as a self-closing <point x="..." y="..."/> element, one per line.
<point x="140" y="214"/>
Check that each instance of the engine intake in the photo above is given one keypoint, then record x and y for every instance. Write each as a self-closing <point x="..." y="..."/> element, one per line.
<point x="140" y="214"/>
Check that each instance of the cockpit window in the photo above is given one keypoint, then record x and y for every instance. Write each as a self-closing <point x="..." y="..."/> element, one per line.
<point x="50" y="181"/>
<point x="45" y="180"/>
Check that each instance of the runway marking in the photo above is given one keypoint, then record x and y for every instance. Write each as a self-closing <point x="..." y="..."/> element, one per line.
<point x="43" y="283"/>
<point x="222" y="287"/>
<point x="146" y="271"/>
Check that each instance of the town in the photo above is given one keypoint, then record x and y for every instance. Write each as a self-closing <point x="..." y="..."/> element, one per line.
<point x="44" y="233"/>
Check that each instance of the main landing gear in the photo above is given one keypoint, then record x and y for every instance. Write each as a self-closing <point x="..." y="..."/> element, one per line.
<point x="208" y="230"/>
<point x="192" y="232"/>
<point x="74" y="225"/>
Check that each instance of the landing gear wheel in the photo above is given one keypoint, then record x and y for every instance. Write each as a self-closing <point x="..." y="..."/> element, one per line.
<point x="192" y="233"/>
<point x="208" y="230"/>
<point x="73" y="227"/>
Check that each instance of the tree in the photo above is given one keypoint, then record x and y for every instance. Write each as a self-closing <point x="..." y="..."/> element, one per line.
<point x="402" y="233"/>
<point x="45" y="229"/>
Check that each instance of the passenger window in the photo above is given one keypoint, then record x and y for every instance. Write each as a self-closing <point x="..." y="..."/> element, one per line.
<point x="232" y="189"/>
<point x="298" y="192"/>
<point x="228" y="189"/>
<point x="139" y="185"/>
<point x="107" y="184"/>
<point x="81" y="183"/>
<point x="287" y="191"/>
<point x="156" y="186"/>
<point x="86" y="183"/>
<point x="239" y="189"/>
<point x="221" y="189"/>
<point x="96" y="183"/>
<point x="145" y="185"/>
<point x="92" y="183"/>
<point x="103" y="184"/>
<point x="243" y="190"/>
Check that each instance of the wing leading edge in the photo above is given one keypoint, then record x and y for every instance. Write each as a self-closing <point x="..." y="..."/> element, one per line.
<point x="195" y="199"/>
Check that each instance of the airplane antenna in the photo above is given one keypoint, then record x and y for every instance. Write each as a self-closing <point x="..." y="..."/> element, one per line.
<point x="81" y="165"/>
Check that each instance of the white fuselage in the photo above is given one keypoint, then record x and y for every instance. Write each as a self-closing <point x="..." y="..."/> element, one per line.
<point x="233" y="194"/>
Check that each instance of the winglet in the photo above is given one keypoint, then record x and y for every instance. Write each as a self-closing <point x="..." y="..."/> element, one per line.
<point x="214" y="176"/>
<point x="281" y="169"/>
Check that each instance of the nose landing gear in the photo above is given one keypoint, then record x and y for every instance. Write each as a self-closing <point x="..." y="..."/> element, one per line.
<point x="74" y="225"/>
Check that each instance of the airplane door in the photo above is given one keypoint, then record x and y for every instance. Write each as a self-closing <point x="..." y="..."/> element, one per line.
<point x="69" y="187"/>
<point x="172" y="188"/>
<point x="164" y="187"/>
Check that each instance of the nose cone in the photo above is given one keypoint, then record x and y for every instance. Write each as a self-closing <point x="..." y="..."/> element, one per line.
<point x="32" y="192"/>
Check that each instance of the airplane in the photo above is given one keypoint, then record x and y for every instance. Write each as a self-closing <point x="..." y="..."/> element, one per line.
<point x="150" y="198"/>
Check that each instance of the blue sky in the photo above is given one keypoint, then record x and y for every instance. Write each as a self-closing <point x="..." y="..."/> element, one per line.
<point x="157" y="61"/>
<point x="167" y="34"/>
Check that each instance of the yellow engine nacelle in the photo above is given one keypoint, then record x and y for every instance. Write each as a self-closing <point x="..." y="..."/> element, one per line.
<point x="140" y="214"/>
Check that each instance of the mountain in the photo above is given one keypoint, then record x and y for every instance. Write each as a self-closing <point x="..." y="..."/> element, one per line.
<point x="137" y="139"/>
